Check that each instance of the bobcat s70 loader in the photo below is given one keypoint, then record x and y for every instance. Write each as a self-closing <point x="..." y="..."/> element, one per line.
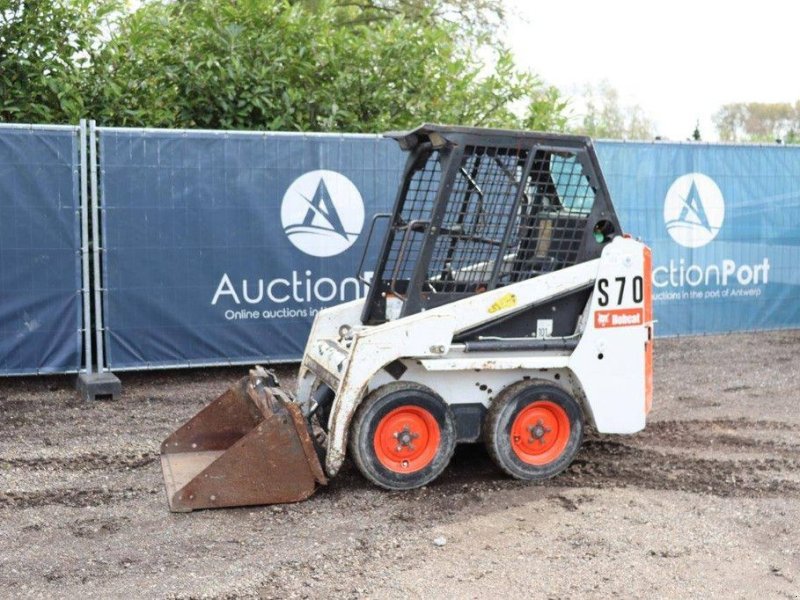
<point x="506" y="306"/>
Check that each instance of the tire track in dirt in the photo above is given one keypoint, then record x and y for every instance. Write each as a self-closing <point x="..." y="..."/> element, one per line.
<point x="656" y="459"/>
<point x="703" y="424"/>
<point x="728" y="435"/>
<point x="71" y="497"/>
<point x="646" y="461"/>
<point x="91" y="461"/>
<point x="93" y="527"/>
<point x="611" y="463"/>
<point x="61" y="413"/>
<point x="643" y="461"/>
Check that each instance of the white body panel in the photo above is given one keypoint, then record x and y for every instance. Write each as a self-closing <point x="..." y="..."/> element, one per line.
<point x="609" y="361"/>
<point x="611" y="388"/>
<point x="506" y="362"/>
<point x="468" y="387"/>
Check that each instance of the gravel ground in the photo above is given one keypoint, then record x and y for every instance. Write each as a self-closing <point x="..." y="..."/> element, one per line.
<point x="704" y="503"/>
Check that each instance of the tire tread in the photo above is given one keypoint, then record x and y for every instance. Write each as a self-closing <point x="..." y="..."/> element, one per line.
<point x="493" y="415"/>
<point x="359" y="423"/>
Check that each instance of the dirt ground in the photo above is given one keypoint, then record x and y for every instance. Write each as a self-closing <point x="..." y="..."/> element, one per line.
<point x="704" y="503"/>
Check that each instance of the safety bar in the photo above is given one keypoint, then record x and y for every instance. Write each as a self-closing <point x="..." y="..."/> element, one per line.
<point x="375" y="219"/>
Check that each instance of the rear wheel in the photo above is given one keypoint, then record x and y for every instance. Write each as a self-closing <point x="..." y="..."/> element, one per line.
<point x="403" y="436"/>
<point x="533" y="430"/>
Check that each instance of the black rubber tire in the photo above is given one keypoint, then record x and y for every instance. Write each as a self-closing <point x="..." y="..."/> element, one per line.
<point x="501" y="415"/>
<point x="365" y="422"/>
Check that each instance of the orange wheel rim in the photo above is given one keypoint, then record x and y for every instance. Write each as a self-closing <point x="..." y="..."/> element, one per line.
<point x="540" y="433"/>
<point x="407" y="439"/>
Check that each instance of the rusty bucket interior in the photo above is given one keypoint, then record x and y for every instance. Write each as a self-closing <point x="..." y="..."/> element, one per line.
<point x="250" y="446"/>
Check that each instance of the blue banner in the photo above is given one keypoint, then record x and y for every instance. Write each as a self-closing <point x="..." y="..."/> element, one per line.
<point x="40" y="275"/>
<point x="220" y="247"/>
<point x="724" y="225"/>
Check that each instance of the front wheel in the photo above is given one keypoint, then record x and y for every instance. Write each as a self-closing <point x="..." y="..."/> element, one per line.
<point x="402" y="436"/>
<point x="533" y="430"/>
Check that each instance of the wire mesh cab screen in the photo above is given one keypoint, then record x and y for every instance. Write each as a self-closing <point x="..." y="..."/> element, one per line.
<point x="480" y="209"/>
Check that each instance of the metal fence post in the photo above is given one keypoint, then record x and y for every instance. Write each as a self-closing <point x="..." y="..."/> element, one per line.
<point x="87" y="334"/>
<point x="95" y="202"/>
<point x="102" y="384"/>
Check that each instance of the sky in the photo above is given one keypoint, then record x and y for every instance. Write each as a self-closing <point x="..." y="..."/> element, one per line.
<point x="679" y="60"/>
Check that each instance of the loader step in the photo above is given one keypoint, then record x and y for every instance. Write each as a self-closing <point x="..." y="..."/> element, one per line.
<point x="521" y="345"/>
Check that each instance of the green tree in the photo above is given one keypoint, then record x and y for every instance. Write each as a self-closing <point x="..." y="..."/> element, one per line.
<point x="696" y="136"/>
<point x="758" y="122"/>
<point x="605" y="117"/>
<point x="273" y="64"/>
<point x="339" y="65"/>
<point x="46" y="47"/>
<point x="471" y="18"/>
<point x="548" y="110"/>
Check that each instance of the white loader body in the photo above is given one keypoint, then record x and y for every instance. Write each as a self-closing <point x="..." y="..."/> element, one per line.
<point x="608" y="370"/>
<point x="506" y="306"/>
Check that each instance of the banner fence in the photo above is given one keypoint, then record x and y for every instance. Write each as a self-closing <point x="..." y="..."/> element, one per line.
<point x="40" y="250"/>
<point x="219" y="247"/>
<point x="723" y="222"/>
<point x="216" y="248"/>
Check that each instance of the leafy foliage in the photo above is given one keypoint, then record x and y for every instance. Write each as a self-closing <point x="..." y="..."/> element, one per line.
<point x="307" y="65"/>
<point x="759" y="122"/>
<point x="471" y="19"/>
<point x="45" y="47"/>
<point x="605" y="117"/>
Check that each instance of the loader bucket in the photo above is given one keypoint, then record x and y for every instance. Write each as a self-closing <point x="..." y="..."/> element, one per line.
<point x="249" y="446"/>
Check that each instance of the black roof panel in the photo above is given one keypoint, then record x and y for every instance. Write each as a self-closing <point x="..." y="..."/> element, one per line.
<point x="442" y="135"/>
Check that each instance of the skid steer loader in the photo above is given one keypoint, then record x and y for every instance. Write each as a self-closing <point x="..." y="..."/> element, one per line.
<point x="506" y="306"/>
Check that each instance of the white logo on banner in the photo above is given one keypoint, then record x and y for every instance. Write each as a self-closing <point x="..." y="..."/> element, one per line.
<point x="693" y="210"/>
<point x="322" y="213"/>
